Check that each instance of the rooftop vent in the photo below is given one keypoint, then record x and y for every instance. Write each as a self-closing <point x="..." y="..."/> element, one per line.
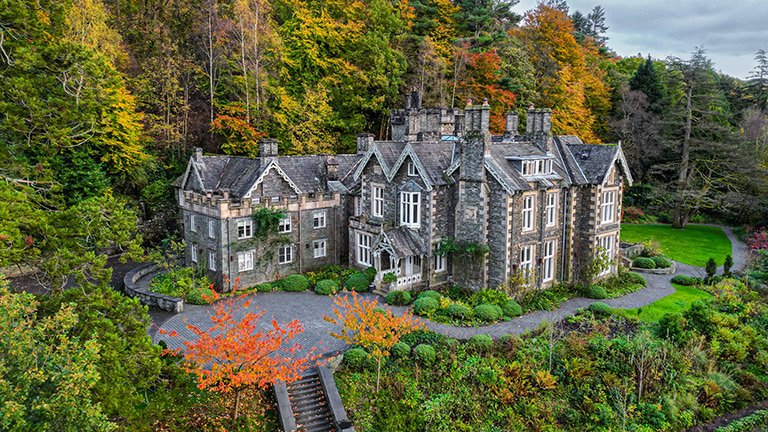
<point x="585" y="154"/>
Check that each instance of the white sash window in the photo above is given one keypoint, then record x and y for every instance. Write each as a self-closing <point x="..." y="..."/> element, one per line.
<point x="410" y="214"/>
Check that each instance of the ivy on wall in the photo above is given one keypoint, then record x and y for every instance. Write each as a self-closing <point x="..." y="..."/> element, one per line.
<point x="449" y="246"/>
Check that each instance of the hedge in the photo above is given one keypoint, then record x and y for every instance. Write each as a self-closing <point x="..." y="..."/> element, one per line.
<point x="512" y="309"/>
<point x="425" y="354"/>
<point x="601" y="309"/>
<point x="326" y="287"/>
<point x="635" y="278"/>
<point x="265" y="287"/>
<point x="661" y="262"/>
<point x="293" y="283"/>
<point x="595" y="292"/>
<point x="682" y="279"/>
<point x="488" y="312"/>
<point x="644" y="263"/>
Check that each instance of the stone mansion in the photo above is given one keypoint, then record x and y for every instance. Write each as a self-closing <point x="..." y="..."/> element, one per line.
<point x="541" y="203"/>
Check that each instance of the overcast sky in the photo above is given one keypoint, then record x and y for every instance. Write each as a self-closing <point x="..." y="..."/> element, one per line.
<point x="731" y="31"/>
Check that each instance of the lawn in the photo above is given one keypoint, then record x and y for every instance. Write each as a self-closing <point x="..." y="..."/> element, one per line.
<point x="681" y="300"/>
<point x="693" y="245"/>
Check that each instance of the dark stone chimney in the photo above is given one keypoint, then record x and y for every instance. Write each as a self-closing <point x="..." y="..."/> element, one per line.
<point x="198" y="154"/>
<point x="512" y="124"/>
<point x="364" y="141"/>
<point x="331" y="168"/>
<point x="538" y="127"/>
<point x="267" y="149"/>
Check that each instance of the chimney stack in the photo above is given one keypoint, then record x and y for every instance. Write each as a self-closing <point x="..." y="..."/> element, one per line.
<point x="332" y="168"/>
<point x="267" y="148"/>
<point x="512" y="123"/>
<point x="477" y="118"/>
<point x="538" y="127"/>
<point x="364" y="141"/>
<point x="198" y="154"/>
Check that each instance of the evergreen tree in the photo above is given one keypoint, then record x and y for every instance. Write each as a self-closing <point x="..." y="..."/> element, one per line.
<point x="758" y="79"/>
<point x="647" y="80"/>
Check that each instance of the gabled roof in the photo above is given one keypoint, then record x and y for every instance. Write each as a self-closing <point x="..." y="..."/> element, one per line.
<point x="596" y="161"/>
<point x="501" y="163"/>
<point x="399" y="242"/>
<point x="431" y="159"/>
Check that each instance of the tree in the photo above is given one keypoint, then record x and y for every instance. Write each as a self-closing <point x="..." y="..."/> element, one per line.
<point x="364" y="325"/>
<point x="237" y="354"/>
<point x="640" y="131"/>
<point x="647" y="80"/>
<point x="597" y="27"/>
<point x="758" y="79"/>
<point x="240" y="136"/>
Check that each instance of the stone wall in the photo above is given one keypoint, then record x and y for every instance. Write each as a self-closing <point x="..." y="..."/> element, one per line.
<point x="146" y="297"/>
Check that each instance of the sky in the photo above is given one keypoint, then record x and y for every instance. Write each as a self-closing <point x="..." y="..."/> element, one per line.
<point x="730" y="31"/>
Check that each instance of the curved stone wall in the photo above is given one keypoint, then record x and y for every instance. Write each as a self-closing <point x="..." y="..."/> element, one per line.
<point x="146" y="297"/>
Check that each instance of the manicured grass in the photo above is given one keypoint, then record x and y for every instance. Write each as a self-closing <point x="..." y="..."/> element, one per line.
<point x="681" y="300"/>
<point x="693" y="245"/>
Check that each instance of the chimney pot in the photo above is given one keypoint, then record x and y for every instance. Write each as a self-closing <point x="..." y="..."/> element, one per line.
<point x="198" y="154"/>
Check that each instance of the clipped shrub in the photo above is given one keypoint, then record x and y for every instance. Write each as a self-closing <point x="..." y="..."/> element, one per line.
<point x="600" y="309"/>
<point x="661" y="262"/>
<point x="389" y="277"/>
<point x="265" y="287"/>
<point x="358" y="282"/>
<point x="424" y="354"/>
<point x="682" y="279"/>
<point x="635" y="278"/>
<point x="488" y="312"/>
<point x="644" y="263"/>
<point x="355" y="357"/>
<point x="431" y="294"/>
<point x="481" y="342"/>
<point x="459" y="311"/>
<point x="727" y="264"/>
<point x="400" y="350"/>
<point x="508" y="341"/>
<point x="711" y="268"/>
<point x="595" y="292"/>
<point x="512" y="309"/>
<point x="697" y="280"/>
<point x="425" y="305"/>
<point x="370" y="272"/>
<point x="293" y="283"/>
<point x="398" y="298"/>
<point x="326" y="287"/>
<point x="195" y="296"/>
<point x="672" y="327"/>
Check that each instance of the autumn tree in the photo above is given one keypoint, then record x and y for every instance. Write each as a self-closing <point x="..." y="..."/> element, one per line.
<point x="237" y="353"/>
<point x="483" y="81"/>
<point x="363" y="324"/>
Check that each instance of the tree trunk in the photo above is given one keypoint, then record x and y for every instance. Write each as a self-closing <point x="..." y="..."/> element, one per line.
<point x="245" y="72"/>
<point x="679" y="220"/>
<point x="378" y="374"/>
<point x="236" y="409"/>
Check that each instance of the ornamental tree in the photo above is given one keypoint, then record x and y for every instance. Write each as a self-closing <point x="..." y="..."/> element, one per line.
<point x="377" y="331"/>
<point x="237" y="354"/>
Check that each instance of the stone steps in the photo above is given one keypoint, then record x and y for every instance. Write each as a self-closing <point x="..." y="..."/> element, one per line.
<point x="309" y="404"/>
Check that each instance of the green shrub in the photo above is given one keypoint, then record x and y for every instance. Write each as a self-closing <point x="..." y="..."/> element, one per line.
<point x="425" y="306"/>
<point x="370" y="272"/>
<point x="400" y="350"/>
<point x="178" y="282"/>
<point x="195" y="296"/>
<point x="727" y="265"/>
<point x="697" y="280"/>
<point x="326" y="287"/>
<point x="661" y="262"/>
<point x="459" y="311"/>
<point x="671" y="327"/>
<point x="389" y="277"/>
<point x="488" y="312"/>
<point x="491" y="296"/>
<point x="644" y="263"/>
<point x="512" y="309"/>
<point x="635" y="278"/>
<point x="595" y="292"/>
<point x="682" y="279"/>
<point x="399" y="298"/>
<point x="481" y="342"/>
<point x="355" y="357"/>
<point x="600" y="309"/>
<point x="711" y="268"/>
<point x="265" y="287"/>
<point x="358" y="282"/>
<point x="293" y="283"/>
<point x="431" y="294"/>
<point x="424" y="354"/>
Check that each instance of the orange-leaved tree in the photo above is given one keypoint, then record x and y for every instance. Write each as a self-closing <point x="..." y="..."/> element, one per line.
<point x="365" y="325"/>
<point x="236" y="353"/>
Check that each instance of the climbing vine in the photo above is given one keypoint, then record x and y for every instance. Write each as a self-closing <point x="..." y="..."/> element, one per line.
<point x="267" y="222"/>
<point x="449" y="246"/>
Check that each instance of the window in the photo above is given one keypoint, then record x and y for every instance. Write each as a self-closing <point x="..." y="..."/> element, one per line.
<point x="245" y="229"/>
<point x="608" y="206"/>
<point x="358" y="208"/>
<point x="284" y="226"/>
<point x="245" y="261"/>
<point x="548" y="167"/>
<point x="527" y="167"/>
<point x="409" y="209"/>
<point x="528" y="211"/>
<point x="548" y="269"/>
<point x="535" y="167"/>
<point x="318" y="220"/>
<point x="364" y="249"/>
<point x="319" y="247"/>
<point x="212" y="260"/>
<point x="440" y="262"/>
<point x="412" y="170"/>
<point x="194" y="253"/>
<point x="526" y="258"/>
<point x="606" y="248"/>
<point x="551" y="209"/>
<point x="192" y="223"/>
<point x="285" y="254"/>
<point x="377" y="201"/>
<point x="211" y="229"/>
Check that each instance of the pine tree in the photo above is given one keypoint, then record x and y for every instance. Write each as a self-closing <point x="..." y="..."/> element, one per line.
<point x="758" y="79"/>
<point x="647" y="81"/>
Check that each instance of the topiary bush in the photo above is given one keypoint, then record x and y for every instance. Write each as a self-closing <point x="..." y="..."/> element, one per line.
<point x="195" y="296"/>
<point x="425" y="305"/>
<point x="635" y="278"/>
<point x="398" y="298"/>
<point x="294" y="283"/>
<point x="711" y="268"/>
<point x="358" y="282"/>
<point x="431" y="294"/>
<point x="400" y="350"/>
<point x="326" y="287"/>
<point x="661" y="262"/>
<point x="682" y="279"/>
<point x="512" y="309"/>
<point x="265" y="287"/>
<point x="370" y="272"/>
<point x="458" y="310"/>
<point x="488" y="312"/>
<point x="595" y="292"/>
<point x="424" y="354"/>
<point x="600" y="309"/>
<point x="644" y="263"/>
<point x="481" y="342"/>
<point x="355" y="357"/>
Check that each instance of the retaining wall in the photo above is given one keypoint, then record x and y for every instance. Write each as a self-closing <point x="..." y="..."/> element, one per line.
<point x="146" y="297"/>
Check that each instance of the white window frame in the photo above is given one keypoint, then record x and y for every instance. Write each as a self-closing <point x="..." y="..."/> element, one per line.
<point x="192" y="223"/>
<point x="193" y="248"/>
<point x="284" y="226"/>
<point x="412" y="170"/>
<point x="320" y="248"/>
<point x="285" y="254"/>
<point x="358" y="208"/>
<point x="552" y="209"/>
<point x="245" y="229"/>
<point x="364" y="243"/>
<point x="245" y="261"/>
<point x="548" y="263"/>
<point x="527" y="168"/>
<point x="211" y="228"/>
<point x="529" y="212"/>
<point x="607" y="245"/>
<point x="318" y="220"/>
<point x="410" y="209"/>
<point x="212" y="260"/>
<point x="377" y="201"/>
<point x="526" y="257"/>
<point x="440" y="262"/>
<point x="608" y="207"/>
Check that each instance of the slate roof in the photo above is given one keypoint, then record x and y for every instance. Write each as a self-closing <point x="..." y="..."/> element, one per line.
<point x="567" y="160"/>
<point x="502" y="157"/>
<point x="404" y="242"/>
<point x="594" y="160"/>
<point x="435" y="159"/>
<point x="232" y="173"/>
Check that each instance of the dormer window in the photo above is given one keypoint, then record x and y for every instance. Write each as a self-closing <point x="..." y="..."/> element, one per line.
<point x="537" y="167"/>
<point x="412" y="170"/>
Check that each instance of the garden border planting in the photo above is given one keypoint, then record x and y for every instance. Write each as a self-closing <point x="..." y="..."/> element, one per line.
<point x="146" y="297"/>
